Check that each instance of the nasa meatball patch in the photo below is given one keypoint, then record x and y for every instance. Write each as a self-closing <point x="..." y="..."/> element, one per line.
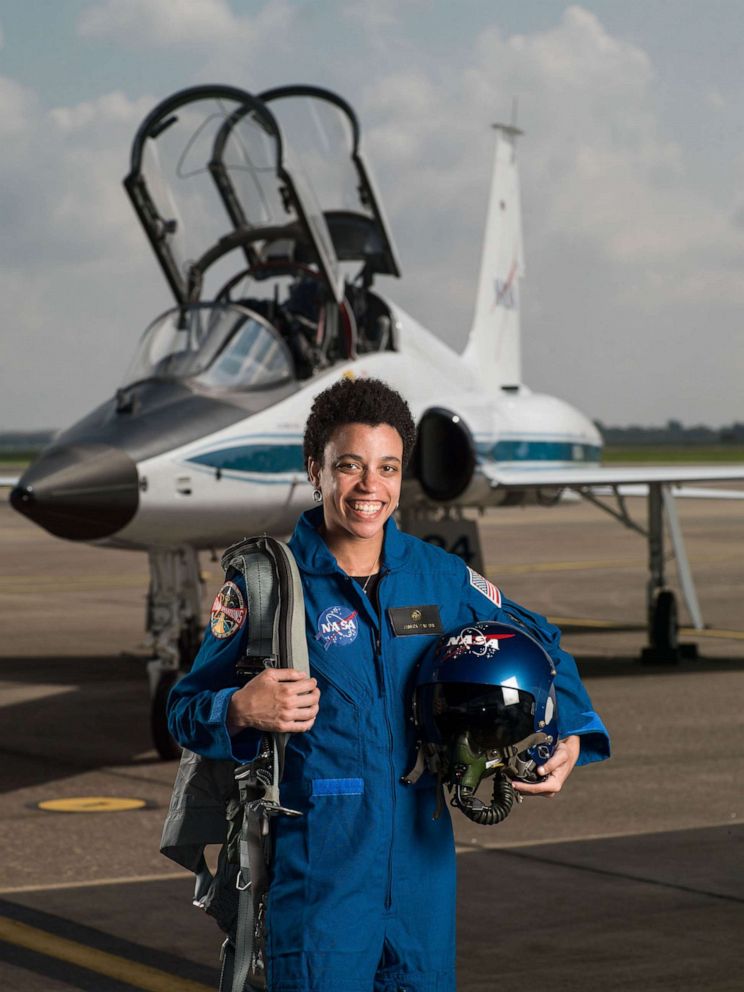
<point x="488" y="589"/>
<point x="228" y="611"/>
<point x="337" y="626"/>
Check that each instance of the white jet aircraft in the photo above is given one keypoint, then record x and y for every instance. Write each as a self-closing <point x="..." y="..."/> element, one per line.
<point x="263" y="216"/>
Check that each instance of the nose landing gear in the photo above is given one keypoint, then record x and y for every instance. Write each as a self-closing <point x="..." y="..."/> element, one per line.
<point x="173" y="610"/>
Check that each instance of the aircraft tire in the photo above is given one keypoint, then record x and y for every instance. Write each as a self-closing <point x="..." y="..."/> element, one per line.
<point x="165" y="744"/>
<point x="664" y="625"/>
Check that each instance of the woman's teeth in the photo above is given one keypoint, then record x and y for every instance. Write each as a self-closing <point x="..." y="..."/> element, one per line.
<point x="367" y="507"/>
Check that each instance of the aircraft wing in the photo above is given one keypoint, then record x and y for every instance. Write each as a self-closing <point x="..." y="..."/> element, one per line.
<point x="613" y="477"/>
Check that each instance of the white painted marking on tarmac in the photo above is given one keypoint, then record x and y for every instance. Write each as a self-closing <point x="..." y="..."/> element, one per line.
<point x="162" y="876"/>
<point x="476" y="848"/>
<point x="13" y="693"/>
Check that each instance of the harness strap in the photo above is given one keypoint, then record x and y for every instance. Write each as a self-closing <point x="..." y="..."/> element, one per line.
<point x="252" y="883"/>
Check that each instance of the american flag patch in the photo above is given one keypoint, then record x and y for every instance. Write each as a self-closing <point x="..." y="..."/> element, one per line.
<point x="488" y="589"/>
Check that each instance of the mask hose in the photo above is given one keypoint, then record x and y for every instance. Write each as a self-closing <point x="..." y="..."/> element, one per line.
<point x="501" y="803"/>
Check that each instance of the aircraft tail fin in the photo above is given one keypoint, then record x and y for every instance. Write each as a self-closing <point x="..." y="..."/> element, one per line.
<point x="493" y="347"/>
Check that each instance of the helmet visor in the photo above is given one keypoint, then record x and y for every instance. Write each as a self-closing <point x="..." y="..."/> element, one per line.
<point x="493" y="716"/>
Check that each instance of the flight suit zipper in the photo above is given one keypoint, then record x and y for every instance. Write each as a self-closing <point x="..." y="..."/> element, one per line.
<point x="377" y="617"/>
<point x="391" y="745"/>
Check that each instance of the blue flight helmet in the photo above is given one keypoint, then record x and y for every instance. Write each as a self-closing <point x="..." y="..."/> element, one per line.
<point x="484" y="705"/>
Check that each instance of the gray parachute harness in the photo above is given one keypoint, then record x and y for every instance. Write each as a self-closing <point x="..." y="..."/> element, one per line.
<point x="217" y="802"/>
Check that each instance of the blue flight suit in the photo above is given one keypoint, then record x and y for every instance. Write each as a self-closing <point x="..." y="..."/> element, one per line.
<point x="362" y="895"/>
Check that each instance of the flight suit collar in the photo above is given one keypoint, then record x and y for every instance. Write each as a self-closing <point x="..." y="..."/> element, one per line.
<point x="314" y="557"/>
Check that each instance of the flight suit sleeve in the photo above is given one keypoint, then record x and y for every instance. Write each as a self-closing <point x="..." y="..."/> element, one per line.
<point x="198" y="703"/>
<point x="575" y="712"/>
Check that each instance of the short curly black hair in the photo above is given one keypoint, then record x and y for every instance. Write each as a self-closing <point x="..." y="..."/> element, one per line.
<point x="357" y="401"/>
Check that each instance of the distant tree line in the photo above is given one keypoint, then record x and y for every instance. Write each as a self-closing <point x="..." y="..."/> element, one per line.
<point x="24" y="444"/>
<point x="673" y="433"/>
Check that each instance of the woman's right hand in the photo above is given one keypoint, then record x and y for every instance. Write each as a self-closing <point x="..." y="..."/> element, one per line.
<point x="279" y="700"/>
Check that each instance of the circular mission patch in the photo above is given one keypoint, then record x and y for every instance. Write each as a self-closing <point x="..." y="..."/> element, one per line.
<point x="228" y="611"/>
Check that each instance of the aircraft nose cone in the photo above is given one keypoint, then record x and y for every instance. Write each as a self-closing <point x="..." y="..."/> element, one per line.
<point x="80" y="492"/>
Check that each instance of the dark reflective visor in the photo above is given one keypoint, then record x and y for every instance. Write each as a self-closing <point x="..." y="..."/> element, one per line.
<point x="494" y="716"/>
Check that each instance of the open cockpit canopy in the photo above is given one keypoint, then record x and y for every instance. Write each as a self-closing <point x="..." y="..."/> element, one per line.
<point x="323" y="132"/>
<point x="251" y="205"/>
<point x="209" y="175"/>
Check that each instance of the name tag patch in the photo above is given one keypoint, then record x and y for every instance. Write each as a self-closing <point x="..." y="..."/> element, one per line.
<point x="409" y="620"/>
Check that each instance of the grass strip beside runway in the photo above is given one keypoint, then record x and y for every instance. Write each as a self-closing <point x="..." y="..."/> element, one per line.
<point x="140" y="976"/>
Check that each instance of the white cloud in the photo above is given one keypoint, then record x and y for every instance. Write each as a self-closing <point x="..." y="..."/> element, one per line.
<point x="380" y="15"/>
<point x="111" y="109"/>
<point x="60" y="179"/>
<point x="160" y="22"/>
<point x="597" y="166"/>
<point x="17" y="106"/>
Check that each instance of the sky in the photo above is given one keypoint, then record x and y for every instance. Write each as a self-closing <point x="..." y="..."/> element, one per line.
<point x="632" y="171"/>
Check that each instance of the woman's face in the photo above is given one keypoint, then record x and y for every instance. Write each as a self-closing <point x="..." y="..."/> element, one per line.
<point x="360" y="479"/>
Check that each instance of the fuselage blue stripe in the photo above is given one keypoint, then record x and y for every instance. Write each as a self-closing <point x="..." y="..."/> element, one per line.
<point x="538" y="451"/>
<point x="264" y="459"/>
<point x="270" y="459"/>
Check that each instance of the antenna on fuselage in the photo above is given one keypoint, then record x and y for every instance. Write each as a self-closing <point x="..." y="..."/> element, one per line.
<point x="510" y="128"/>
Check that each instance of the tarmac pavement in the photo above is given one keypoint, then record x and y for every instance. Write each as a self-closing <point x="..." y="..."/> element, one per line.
<point x="632" y="878"/>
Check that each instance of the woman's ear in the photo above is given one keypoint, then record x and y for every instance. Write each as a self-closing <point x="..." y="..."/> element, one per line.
<point x="313" y="472"/>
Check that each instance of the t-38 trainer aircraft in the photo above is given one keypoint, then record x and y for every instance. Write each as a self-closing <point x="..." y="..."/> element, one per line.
<point x="264" y="219"/>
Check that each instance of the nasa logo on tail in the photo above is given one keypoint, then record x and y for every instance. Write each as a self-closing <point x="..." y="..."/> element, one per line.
<point x="504" y="295"/>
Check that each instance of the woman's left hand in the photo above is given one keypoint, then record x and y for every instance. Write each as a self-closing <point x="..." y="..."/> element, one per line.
<point x="554" y="772"/>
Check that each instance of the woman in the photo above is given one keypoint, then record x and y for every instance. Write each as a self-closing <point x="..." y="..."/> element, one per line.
<point x="363" y="889"/>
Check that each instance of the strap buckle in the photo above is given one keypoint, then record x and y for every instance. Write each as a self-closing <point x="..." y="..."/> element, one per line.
<point x="252" y="665"/>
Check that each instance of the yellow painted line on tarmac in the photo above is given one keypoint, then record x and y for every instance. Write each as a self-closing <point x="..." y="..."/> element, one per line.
<point x="24" y="584"/>
<point x="595" y="624"/>
<point x="501" y="568"/>
<point x="496" y="569"/>
<point x="162" y="876"/>
<point x="726" y="635"/>
<point x="91" y="804"/>
<point x="140" y="976"/>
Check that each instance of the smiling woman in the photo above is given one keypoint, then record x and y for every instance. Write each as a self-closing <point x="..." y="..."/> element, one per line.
<point x="359" y="482"/>
<point x="358" y="439"/>
<point x="362" y="893"/>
